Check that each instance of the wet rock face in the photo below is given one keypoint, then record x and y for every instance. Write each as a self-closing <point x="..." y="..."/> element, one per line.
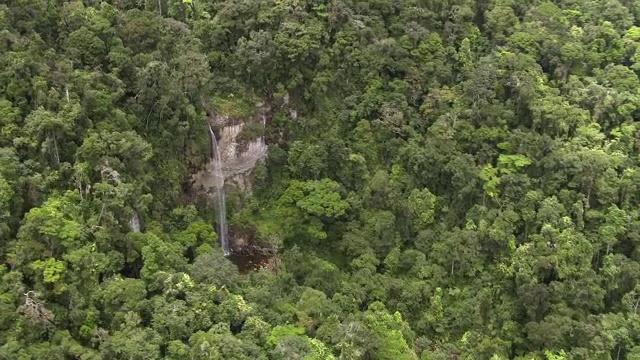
<point x="239" y="158"/>
<point x="238" y="154"/>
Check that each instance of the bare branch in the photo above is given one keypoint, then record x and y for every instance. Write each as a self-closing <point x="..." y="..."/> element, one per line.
<point x="34" y="309"/>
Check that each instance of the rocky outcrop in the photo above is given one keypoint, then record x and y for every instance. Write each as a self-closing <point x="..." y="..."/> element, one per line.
<point x="239" y="153"/>
<point x="239" y="157"/>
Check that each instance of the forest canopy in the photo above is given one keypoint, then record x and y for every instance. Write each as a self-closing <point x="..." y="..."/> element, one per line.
<point x="445" y="179"/>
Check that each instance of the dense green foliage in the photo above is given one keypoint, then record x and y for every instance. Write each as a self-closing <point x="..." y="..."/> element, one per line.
<point x="460" y="181"/>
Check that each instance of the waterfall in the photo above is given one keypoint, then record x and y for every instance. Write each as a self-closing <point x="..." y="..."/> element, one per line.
<point x="220" y="196"/>
<point x="134" y="222"/>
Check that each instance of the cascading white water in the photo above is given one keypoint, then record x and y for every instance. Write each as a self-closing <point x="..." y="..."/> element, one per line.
<point x="220" y="195"/>
<point x="134" y="222"/>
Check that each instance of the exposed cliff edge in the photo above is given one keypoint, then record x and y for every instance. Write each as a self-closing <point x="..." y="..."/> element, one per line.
<point x="240" y="155"/>
<point x="241" y="145"/>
